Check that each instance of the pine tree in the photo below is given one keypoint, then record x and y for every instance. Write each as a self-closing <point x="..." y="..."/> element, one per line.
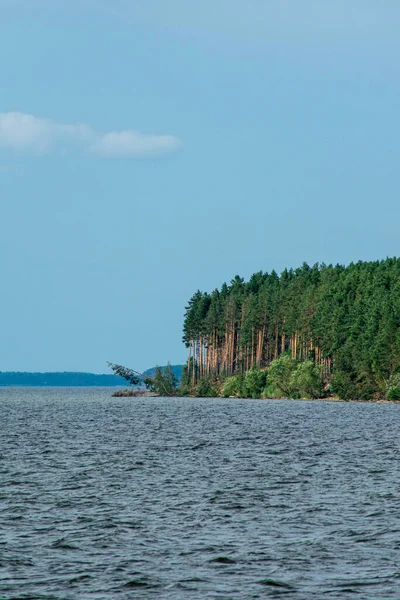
<point x="346" y="320"/>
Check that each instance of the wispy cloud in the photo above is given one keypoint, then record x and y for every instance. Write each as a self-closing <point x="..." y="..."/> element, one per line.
<point x="134" y="143"/>
<point x="24" y="132"/>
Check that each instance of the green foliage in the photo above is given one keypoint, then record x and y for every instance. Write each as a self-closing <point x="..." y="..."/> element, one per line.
<point x="233" y="386"/>
<point x="184" y="384"/>
<point x="393" y="387"/>
<point x="344" y="319"/>
<point x="169" y="378"/>
<point x="177" y="370"/>
<point x="148" y="382"/>
<point x="280" y="375"/>
<point x="254" y="383"/>
<point x="164" y="382"/>
<point x="352" y="380"/>
<point x="206" y="389"/>
<point x="306" y="380"/>
<point x="185" y="378"/>
<point x="128" y="374"/>
<point x="271" y="391"/>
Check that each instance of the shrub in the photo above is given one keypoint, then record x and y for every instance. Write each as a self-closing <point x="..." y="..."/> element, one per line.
<point x="306" y="380"/>
<point x="254" y="383"/>
<point x="233" y="386"/>
<point x="271" y="391"/>
<point x="280" y="372"/>
<point x="393" y="387"/>
<point x="205" y="389"/>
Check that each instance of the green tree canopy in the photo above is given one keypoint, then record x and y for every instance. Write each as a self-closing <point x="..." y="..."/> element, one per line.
<point x="128" y="374"/>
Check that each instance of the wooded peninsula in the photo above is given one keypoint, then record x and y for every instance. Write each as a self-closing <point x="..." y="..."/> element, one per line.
<point x="315" y="331"/>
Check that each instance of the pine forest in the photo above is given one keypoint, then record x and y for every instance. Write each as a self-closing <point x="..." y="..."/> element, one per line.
<point x="311" y="331"/>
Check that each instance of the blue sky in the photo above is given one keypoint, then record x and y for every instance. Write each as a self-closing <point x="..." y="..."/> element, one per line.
<point x="151" y="148"/>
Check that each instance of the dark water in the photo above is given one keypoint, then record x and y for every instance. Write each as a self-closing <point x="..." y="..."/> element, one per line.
<point x="183" y="498"/>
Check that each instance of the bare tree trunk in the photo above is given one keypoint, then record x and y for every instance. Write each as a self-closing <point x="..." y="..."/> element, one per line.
<point x="233" y="348"/>
<point x="194" y="362"/>
<point x="188" y="360"/>
<point x="252" y="348"/>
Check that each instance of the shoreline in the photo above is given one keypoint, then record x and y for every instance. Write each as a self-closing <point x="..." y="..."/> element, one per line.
<point x="128" y="393"/>
<point x="149" y="394"/>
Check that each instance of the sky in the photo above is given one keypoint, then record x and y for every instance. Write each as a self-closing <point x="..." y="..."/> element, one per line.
<point x="150" y="148"/>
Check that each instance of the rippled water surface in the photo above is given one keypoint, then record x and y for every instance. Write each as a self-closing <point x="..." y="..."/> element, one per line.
<point x="185" y="498"/>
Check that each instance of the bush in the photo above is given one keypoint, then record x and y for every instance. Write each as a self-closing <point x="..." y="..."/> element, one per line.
<point x="184" y="390"/>
<point x="280" y="373"/>
<point x="205" y="389"/>
<point x="271" y="391"/>
<point x="393" y="387"/>
<point x="254" y="383"/>
<point x="306" y="380"/>
<point x="233" y="386"/>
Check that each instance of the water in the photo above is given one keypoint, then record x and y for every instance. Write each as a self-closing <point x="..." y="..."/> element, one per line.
<point x="188" y="499"/>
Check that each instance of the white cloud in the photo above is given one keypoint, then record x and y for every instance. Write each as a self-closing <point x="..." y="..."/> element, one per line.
<point x="26" y="132"/>
<point x="19" y="131"/>
<point x="134" y="143"/>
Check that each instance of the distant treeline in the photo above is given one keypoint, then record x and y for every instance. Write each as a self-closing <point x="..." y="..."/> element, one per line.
<point x="59" y="379"/>
<point x="345" y="320"/>
<point x="176" y="370"/>
<point x="71" y="379"/>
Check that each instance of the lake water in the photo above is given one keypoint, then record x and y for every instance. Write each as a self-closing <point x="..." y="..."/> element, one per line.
<point x="105" y="498"/>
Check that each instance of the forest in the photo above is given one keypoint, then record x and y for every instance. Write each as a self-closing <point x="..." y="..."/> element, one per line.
<point x="62" y="379"/>
<point x="321" y="330"/>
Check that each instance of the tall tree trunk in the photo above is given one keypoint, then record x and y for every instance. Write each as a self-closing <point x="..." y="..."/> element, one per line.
<point x="252" y="348"/>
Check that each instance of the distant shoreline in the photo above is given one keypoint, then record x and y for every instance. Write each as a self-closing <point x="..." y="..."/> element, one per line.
<point x="71" y="378"/>
<point x="61" y="385"/>
<point x="59" y="379"/>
